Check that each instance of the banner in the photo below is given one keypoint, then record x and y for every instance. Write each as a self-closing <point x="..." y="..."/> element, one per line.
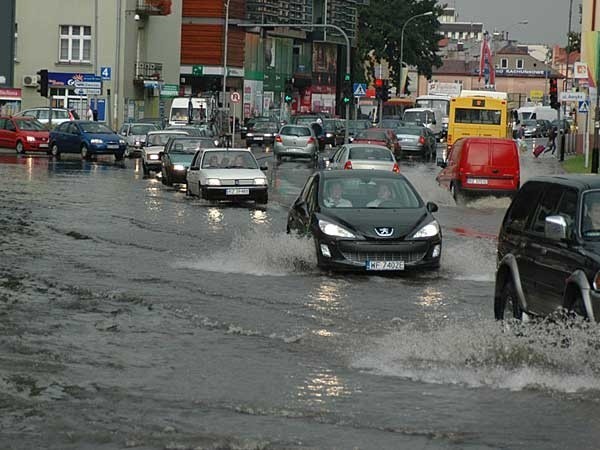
<point x="486" y="62"/>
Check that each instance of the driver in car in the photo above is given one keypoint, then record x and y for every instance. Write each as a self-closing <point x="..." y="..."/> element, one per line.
<point x="384" y="193"/>
<point x="335" y="199"/>
<point x="591" y="220"/>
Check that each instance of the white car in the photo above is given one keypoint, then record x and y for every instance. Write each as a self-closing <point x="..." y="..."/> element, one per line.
<point x="155" y="143"/>
<point x="227" y="174"/>
<point x="42" y="114"/>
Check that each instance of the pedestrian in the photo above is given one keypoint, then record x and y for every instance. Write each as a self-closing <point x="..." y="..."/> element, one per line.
<point x="89" y="115"/>
<point x="551" y="145"/>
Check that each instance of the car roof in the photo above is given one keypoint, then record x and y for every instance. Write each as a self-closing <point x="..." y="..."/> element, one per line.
<point x="350" y="146"/>
<point x="342" y="174"/>
<point x="220" y="149"/>
<point x="171" y="131"/>
<point x="578" y="181"/>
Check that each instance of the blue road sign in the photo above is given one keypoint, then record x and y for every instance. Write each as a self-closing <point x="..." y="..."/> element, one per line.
<point x="584" y="107"/>
<point x="105" y="73"/>
<point x="360" y="89"/>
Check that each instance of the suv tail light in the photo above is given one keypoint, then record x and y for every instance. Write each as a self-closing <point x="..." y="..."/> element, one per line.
<point x="348" y="165"/>
<point x="395" y="169"/>
<point x="278" y="139"/>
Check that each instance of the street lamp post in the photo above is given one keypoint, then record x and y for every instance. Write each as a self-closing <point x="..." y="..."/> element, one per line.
<point x="314" y="25"/>
<point x="428" y="13"/>
<point x="225" y="61"/>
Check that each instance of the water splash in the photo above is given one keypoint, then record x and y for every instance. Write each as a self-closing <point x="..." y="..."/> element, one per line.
<point x="471" y="259"/>
<point x="259" y="253"/>
<point x="559" y="356"/>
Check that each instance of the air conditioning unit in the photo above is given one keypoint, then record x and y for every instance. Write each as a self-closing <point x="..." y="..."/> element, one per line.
<point x="30" y="80"/>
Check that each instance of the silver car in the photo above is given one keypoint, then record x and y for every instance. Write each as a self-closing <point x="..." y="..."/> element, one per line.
<point x="135" y="135"/>
<point x="155" y="144"/>
<point x="296" y="141"/>
<point x="363" y="156"/>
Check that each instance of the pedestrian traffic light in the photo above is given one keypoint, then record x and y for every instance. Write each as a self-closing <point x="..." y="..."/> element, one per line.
<point x="289" y="90"/>
<point x="43" y="82"/>
<point x="554" y="103"/>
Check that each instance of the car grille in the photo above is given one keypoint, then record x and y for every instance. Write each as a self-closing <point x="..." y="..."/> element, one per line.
<point x="232" y="182"/>
<point x="362" y="256"/>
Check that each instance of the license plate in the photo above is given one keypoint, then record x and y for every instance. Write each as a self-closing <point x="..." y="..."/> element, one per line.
<point x="258" y="138"/>
<point x="237" y="191"/>
<point x="477" y="181"/>
<point x="43" y="145"/>
<point x="385" y="265"/>
<point x="112" y="146"/>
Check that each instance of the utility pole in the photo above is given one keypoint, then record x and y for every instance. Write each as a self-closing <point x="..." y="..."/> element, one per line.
<point x="225" y="64"/>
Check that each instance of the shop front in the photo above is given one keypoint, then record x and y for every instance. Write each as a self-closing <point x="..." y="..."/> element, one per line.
<point x="10" y="101"/>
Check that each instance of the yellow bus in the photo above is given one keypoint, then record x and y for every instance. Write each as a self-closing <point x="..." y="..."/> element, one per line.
<point x="478" y="115"/>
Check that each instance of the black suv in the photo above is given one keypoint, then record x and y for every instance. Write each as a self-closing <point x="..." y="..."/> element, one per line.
<point x="549" y="249"/>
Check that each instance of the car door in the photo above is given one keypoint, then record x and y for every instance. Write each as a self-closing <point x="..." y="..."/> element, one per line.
<point x="299" y="218"/>
<point x="337" y="159"/>
<point x="193" y="174"/>
<point x="73" y="138"/>
<point x="450" y="172"/>
<point x="10" y="134"/>
<point x="3" y="133"/>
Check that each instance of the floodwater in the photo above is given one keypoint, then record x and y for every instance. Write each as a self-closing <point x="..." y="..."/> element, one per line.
<point x="132" y="316"/>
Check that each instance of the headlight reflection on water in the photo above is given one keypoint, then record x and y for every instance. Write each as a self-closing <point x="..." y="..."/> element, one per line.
<point x="259" y="216"/>
<point x="327" y="296"/>
<point x="322" y="386"/>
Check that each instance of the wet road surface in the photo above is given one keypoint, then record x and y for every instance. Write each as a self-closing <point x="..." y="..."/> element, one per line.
<point x="132" y="316"/>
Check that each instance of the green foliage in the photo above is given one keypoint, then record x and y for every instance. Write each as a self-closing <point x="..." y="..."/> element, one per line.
<point x="380" y="28"/>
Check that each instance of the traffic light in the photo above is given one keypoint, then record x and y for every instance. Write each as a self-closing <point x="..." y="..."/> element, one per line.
<point x="347" y="90"/>
<point x="378" y="88"/>
<point x="554" y="103"/>
<point x="289" y="90"/>
<point x="385" y="91"/>
<point x="43" y="82"/>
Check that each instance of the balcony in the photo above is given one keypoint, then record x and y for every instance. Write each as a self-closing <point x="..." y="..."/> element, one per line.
<point x="153" y="7"/>
<point x="146" y="71"/>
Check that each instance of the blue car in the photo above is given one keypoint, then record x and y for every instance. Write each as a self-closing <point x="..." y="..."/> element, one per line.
<point x="86" y="138"/>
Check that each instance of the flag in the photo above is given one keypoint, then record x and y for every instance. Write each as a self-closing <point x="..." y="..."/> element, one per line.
<point x="486" y="63"/>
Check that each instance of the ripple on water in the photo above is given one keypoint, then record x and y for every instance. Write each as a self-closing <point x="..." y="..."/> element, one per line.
<point x="258" y="252"/>
<point x="546" y="355"/>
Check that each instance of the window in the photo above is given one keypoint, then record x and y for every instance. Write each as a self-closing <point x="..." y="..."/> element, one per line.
<point x="520" y="64"/>
<point x="516" y="219"/>
<point x="503" y="63"/>
<point x="546" y="207"/>
<point x="75" y="43"/>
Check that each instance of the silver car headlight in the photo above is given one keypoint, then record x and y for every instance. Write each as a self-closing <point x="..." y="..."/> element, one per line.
<point x="178" y="167"/>
<point x="260" y="181"/>
<point x="250" y="134"/>
<point x="331" y="229"/>
<point x="153" y="157"/>
<point x="430" y="230"/>
<point x="213" y="182"/>
<point x="96" y="141"/>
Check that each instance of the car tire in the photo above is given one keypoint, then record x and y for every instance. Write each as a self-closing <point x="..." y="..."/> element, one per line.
<point x="85" y="153"/>
<point x="19" y="147"/>
<point x="577" y="307"/>
<point x="457" y="194"/>
<point x="508" y="302"/>
<point x="145" y="170"/>
<point x="262" y="199"/>
<point x="54" y="151"/>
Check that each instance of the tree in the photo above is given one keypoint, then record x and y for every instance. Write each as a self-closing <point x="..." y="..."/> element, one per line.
<point x="380" y="25"/>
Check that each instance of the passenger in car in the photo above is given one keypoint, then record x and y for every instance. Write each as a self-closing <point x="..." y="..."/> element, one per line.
<point x="591" y="219"/>
<point x="384" y="193"/>
<point x="213" y="161"/>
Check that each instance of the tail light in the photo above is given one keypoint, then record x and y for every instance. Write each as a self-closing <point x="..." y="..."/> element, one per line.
<point x="395" y="169"/>
<point x="348" y="165"/>
<point x="311" y="140"/>
<point x="278" y="139"/>
<point x="421" y="140"/>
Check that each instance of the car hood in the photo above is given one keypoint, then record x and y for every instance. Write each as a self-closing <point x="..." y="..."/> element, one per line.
<point x="181" y="158"/>
<point x="37" y="134"/>
<point x="365" y="221"/>
<point x="233" y="173"/>
<point x="154" y="149"/>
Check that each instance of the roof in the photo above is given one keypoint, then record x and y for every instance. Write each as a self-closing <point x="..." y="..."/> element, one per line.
<point x="578" y="181"/>
<point x="511" y="49"/>
<point x="331" y="174"/>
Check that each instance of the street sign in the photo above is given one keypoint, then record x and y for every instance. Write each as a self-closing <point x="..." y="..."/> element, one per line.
<point x="87" y="91"/>
<point x="580" y="71"/>
<point x="359" y="89"/>
<point x="197" y="70"/>
<point x="584" y="107"/>
<point x="572" y="96"/>
<point x="169" y="90"/>
<point x="105" y="73"/>
<point x="536" y="95"/>
<point x="235" y="97"/>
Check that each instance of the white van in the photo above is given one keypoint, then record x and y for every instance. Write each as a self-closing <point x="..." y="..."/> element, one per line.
<point x="430" y="118"/>
<point x="537" y="113"/>
<point x="436" y="101"/>
<point x="179" y="110"/>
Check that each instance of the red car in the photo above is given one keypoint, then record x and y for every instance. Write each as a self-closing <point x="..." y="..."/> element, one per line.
<point x="25" y="134"/>
<point x="379" y="136"/>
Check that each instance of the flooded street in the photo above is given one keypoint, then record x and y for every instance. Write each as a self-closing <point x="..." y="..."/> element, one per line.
<point x="132" y="316"/>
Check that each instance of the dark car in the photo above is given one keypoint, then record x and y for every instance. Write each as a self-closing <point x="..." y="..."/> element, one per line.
<point x="334" y="132"/>
<point x="177" y="157"/>
<point x="549" y="249"/>
<point x="369" y="220"/>
<point x="416" y="141"/>
<point x="563" y="126"/>
<point x="354" y="126"/>
<point x="262" y="133"/>
<point x="24" y="134"/>
<point x="380" y="136"/>
<point x="249" y="124"/>
<point x="87" y="138"/>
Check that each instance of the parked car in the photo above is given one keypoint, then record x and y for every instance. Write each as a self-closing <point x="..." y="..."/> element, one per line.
<point x="177" y="157"/>
<point x="416" y="141"/>
<point x="296" y="141"/>
<point x="379" y="136"/>
<point x="42" y="113"/>
<point x="262" y="133"/>
<point x="227" y="174"/>
<point x="367" y="220"/>
<point x="548" y="249"/>
<point x="86" y="138"/>
<point x="363" y="156"/>
<point x="478" y="165"/>
<point x="155" y="144"/>
<point x="335" y="132"/>
<point x="24" y="134"/>
<point x="135" y="135"/>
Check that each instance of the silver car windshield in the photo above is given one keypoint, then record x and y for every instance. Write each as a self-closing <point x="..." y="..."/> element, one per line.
<point x="228" y="159"/>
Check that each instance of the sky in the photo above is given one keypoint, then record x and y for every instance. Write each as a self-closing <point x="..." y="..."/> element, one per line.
<point x="548" y="19"/>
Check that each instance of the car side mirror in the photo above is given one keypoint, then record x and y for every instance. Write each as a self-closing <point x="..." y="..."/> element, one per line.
<point x="301" y="205"/>
<point x="441" y="163"/>
<point x="264" y="167"/>
<point x="432" y="207"/>
<point x="194" y="168"/>
<point x="555" y="228"/>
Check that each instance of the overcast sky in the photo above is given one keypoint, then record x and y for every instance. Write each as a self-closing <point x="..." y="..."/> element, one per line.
<point x="548" y="19"/>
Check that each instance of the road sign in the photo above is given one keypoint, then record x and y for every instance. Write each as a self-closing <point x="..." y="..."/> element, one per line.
<point x="572" y="96"/>
<point x="359" y="89"/>
<point x="235" y="97"/>
<point x="584" y="107"/>
<point x="105" y="73"/>
<point x="197" y="70"/>
<point x="87" y="91"/>
<point x="536" y="95"/>
<point x="169" y="90"/>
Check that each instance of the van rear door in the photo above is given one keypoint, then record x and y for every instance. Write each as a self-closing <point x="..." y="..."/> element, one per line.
<point x="475" y="165"/>
<point x="492" y="165"/>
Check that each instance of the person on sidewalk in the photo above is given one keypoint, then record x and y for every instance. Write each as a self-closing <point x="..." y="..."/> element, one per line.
<point x="551" y="146"/>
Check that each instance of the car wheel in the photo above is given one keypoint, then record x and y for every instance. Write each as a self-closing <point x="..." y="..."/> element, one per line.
<point x="457" y="194"/>
<point x="507" y="305"/>
<point x="85" y="153"/>
<point x="145" y="170"/>
<point x="19" y="147"/>
<point x="577" y="307"/>
<point x="262" y="199"/>
<point x="54" y="151"/>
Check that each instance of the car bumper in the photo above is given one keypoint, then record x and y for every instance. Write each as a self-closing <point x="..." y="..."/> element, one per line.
<point x="35" y="146"/>
<point x="412" y="149"/>
<point x="104" y="150"/>
<point x="353" y="255"/>
<point x="306" y="152"/>
<point x="221" y="193"/>
<point x="178" y="176"/>
<point x="259" y="140"/>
